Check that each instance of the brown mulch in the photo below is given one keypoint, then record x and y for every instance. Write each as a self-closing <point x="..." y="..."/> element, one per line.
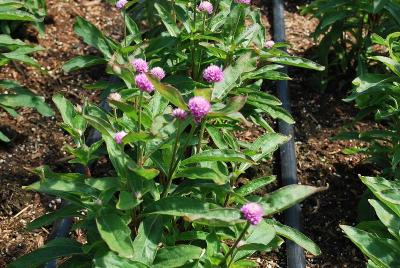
<point x="38" y="140"/>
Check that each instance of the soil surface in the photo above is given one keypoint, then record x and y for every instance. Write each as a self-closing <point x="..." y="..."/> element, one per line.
<point x="37" y="140"/>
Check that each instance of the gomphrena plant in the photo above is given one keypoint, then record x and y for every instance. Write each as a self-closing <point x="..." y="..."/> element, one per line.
<point x="172" y="198"/>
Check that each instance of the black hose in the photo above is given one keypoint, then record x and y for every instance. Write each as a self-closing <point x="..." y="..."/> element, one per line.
<point x="295" y="254"/>
<point x="62" y="226"/>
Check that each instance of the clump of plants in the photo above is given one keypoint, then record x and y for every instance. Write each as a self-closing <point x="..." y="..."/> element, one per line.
<point x="12" y="15"/>
<point x="344" y="33"/>
<point x="186" y="87"/>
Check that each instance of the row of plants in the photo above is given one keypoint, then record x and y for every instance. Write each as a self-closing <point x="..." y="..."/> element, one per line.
<point x="14" y="16"/>
<point x="361" y="39"/>
<point x="189" y="81"/>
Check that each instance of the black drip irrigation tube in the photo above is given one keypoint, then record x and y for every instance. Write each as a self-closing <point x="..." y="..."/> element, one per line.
<point x="62" y="227"/>
<point x="292" y="216"/>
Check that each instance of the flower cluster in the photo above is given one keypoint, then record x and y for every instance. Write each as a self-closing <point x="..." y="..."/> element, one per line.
<point x="253" y="213"/>
<point x="119" y="136"/>
<point x="179" y="113"/>
<point x="246" y="2"/>
<point x="140" y="65"/>
<point x="143" y="83"/>
<point x="205" y="6"/>
<point x="115" y="96"/>
<point x="121" y="3"/>
<point x="213" y="74"/>
<point x="158" y="73"/>
<point x="199" y="107"/>
<point x="269" y="44"/>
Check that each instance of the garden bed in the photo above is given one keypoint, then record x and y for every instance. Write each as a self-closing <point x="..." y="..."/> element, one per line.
<point x="38" y="141"/>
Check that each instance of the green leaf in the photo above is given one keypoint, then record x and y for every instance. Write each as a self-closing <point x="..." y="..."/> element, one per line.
<point x="18" y="15"/>
<point x="167" y="19"/>
<point x="133" y="29"/>
<point x="4" y="137"/>
<point x="201" y="173"/>
<point x="115" y="232"/>
<point x="169" y="92"/>
<point x="194" y="210"/>
<point x="233" y="105"/>
<point x="286" y="197"/>
<point x="245" y="63"/>
<point x="81" y="62"/>
<point x="176" y="256"/>
<point x="295" y="61"/>
<point x="254" y="185"/>
<point x="47" y="219"/>
<point x="387" y="217"/>
<point x="59" y="247"/>
<point x="384" y="252"/>
<point x="110" y="259"/>
<point x="295" y="236"/>
<point x="226" y="155"/>
<point x="126" y="201"/>
<point x="94" y="37"/>
<point x="133" y="137"/>
<point x="149" y="236"/>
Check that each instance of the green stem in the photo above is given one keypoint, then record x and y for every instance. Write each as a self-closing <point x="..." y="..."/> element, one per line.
<point x="173" y="11"/>
<point x="171" y="166"/>
<point x="201" y="135"/>
<point x="193" y="47"/>
<point x="231" y="250"/>
<point x="124" y="15"/>
<point x="140" y="149"/>
<point x="182" y="150"/>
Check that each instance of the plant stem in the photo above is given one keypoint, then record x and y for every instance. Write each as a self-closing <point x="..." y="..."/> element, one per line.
<point x="140" y="149"/>
<point x="124" y="15"/>
<point x="201" y="135"/>
<point x="171" y="166"/>
<point x="193" y="47"/>
<point x="182" y="150"/>
<point x="223" y="262"/>
<point x="173" y="11"/>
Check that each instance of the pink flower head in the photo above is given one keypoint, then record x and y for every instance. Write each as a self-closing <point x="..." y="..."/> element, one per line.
<point x="205" y="6"/>
<point x="119" y="136"/>
<point x="178" y="113"/>
<point x="121" y="3"/>
<point x="269" y="44"/>
<point x="199" y="107"/>
<point x="115" y="96"/>
<point x="158" y="73"/>
<point x="246" y="2"/>
<point x="253" y="213"/>
<point x="143" y="83"/>
<point x="213" y="74"/>
<point x="140" y="65"/>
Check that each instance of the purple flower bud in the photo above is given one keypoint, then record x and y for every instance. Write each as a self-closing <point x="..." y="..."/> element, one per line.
<point x="205" y="6"/>
<point x="246" y="2"/>
<point x="178" y="113"/>
<point x="119" y="136"/>
<point x="158" y="73"/>
<point x="253" y="213"/>
<point x="143" y="83"/>
<point x="213" y="74"/>
<point x="269" y="44"/>
<point x="199" y="107"/>
<point x="115" y="96"/>
<point x="140" y="65"/>
<point x="121" y="3"/>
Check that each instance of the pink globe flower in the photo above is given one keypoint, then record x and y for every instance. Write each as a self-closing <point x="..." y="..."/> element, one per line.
<point x="199" y="107"/>
<point x="140" y="65"/>
<point x="179" y="113"/>
<point x="143" y="83"/>
<point x="158" y="73"/>
<point x="205" y="6"/>
<point x="253" y="213"/>
<point x="121" y="3"/>
<point x="213" y="74"/>
<point x="246" y="2"/>
<point x="269" y="44"/>
<point x="115" y="96"/>
<point x="119" y="136"/>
